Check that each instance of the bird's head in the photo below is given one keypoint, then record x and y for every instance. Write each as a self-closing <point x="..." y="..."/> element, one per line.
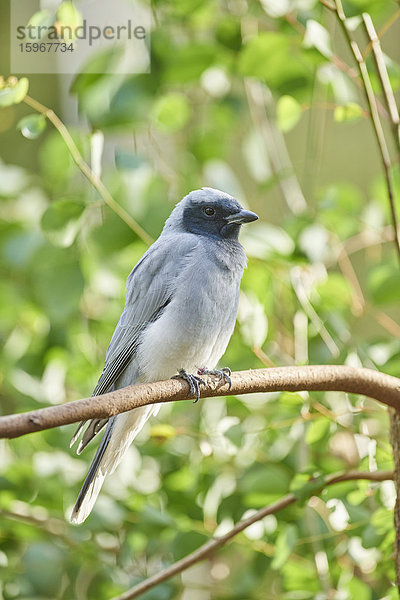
<point x="210" y="213"/>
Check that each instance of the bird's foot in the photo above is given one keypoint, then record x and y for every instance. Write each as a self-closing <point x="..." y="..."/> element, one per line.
<point x="193" y="381"/>
<point x="223" y="374"/>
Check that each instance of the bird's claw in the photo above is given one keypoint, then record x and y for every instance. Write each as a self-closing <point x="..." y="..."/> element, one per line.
<point x="223" y="374"/>
<point x="193" y="381"/>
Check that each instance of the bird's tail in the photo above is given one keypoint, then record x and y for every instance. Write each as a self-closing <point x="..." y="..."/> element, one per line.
<point x="119" y="434"/>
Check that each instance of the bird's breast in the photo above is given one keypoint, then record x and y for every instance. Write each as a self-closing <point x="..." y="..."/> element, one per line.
<point x="195" y="327"/>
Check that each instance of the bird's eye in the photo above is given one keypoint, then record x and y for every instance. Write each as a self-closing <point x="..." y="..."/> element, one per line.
<point x="209" y="211"/>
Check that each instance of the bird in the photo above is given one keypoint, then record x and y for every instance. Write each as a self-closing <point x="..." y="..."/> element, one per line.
<point x="180" y="312"/>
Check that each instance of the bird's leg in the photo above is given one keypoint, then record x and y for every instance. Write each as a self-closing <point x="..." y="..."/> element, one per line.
<point x="223" y="374"/>
<point x="193" y="381"/>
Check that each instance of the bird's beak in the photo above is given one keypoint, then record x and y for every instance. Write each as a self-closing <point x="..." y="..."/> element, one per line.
<point x="243" y="216"/>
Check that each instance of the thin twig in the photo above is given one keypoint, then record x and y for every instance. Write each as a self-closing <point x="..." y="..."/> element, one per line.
<point x="212" y="545"/>
<point x="386" y="26"/>
<point x="86" y="170"/>
<point x="381" y="387"/>
<point x="382" y="31"/>
<point x="373" y="109"/>
<point x="384" y="321"/>
<point x="51" y="525"/>
<point x="383" y="78"/>
<point x="346" y="266"/>
<point x="264" y="358"/>
<point x="302" y="296"/>
<point x="328" y="5"/>
<point x="368" y="238"/>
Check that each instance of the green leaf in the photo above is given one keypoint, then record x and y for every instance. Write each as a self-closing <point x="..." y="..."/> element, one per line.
<point x="291" y="399"/>
<point x="32" y="126"/>
<point x="370" y="537"/>
<point x="229" y="33"/>
<point x="285" y="543"/>
<point x="269" y="479"/>
<point x="339" y="204"/>
<point x="162" y="432"/>
<point x="300" y="575"/>
<point x="392" y="366"/>
<point x="69" y="17"/>
<point x="171" y="112"/>
<point x="187" y="542"/>
<point x="14" y="91"/>
<point x="372" y="6"/>
<point x="318" y="37"/>
<point x="235" y="434"/>
<point x="41" y="18"/>
<point x="128" y="160"/>
<point x="334" y="293"/>
<point x="348" y="112"/>
<point x="359" y="589"/>
<point x="302" y="486"/>
<point x="288" y="113"/>
<point x="97" y="68"/>
<point x="45" y="581"/>
<point x="182" y="480"/>
<point x="58" y="281"/>
<point x="382" y="520"/>
<point x="113" y="234"/>
<point x="187" y="63"/>
<point x="161" y="592"/>
<point x="55" y="162"/>
<point x="61" y="221"/>
<point x="157" y="518"/>
<point x="384" y="284"/>
<point x="317" y="430"/>
<point x="278" y="59"/>
<point x="60" y="212"/>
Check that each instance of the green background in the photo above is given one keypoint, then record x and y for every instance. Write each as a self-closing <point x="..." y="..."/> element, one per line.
<point x="261" y="101"/>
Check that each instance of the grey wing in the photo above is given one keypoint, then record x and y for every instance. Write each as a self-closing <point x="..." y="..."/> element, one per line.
<point x="149" y="289"/>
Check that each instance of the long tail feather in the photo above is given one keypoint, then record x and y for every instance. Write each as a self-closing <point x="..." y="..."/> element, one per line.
<point x="94" y="479"/>
<point x="77" y="433"/>
<point x="119" y="434"/>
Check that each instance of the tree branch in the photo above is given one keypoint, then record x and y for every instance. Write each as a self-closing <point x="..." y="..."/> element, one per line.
<point x="209" y="547"/>
<point x="381" y="387"/>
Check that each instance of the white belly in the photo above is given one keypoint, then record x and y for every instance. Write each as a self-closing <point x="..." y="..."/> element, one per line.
<point x="175" y="342"/>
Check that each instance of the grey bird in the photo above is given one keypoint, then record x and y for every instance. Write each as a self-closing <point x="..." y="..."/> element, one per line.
<point x="180" y="311"/>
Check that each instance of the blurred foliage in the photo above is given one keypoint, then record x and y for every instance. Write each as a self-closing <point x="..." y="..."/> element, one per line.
<point x="322" y="286"/>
